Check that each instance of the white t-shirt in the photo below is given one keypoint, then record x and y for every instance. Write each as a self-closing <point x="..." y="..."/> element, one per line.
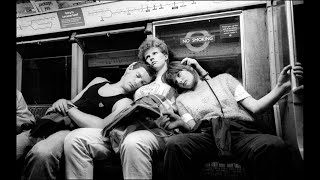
<point x="157" y="87"/>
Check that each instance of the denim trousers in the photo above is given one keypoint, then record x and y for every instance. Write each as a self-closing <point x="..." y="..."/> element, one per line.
<point x="83" y="146"/>
<point x="42" y="157"/>
<point x="137" y="152"/>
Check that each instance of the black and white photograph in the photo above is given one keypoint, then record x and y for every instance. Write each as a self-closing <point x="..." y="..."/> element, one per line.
<point x="161" y="90"/>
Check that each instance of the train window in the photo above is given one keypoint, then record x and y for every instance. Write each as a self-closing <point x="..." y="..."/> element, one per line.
<point x="108" y="56"/>
<point x="214" y="42"/>
<point x="46" y="71"/>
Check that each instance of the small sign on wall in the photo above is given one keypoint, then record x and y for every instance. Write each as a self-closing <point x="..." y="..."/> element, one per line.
<point x="229" y="30"/>
<point x="71" y="18"/>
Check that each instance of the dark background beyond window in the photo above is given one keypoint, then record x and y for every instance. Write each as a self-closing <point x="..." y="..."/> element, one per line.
<point x="45" y="81"/>
<point x="223" y="54"/>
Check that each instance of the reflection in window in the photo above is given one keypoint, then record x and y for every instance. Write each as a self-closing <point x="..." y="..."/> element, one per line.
<point x="110" y="65"/>
<point x="46" y="80"/>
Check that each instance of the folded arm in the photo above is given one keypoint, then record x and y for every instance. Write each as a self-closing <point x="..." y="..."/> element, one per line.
<point x="90" y="121"/>
<point x="62" y="105"/>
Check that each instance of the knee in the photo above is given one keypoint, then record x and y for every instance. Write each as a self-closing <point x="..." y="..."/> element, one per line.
<point x="174" y="143"/>
<point x="130" y="143"/>
<point x="271" y="147"/>
<point x="40" y="153"/>
<point x="134" y="144"/>
<point x="276" y="143"/>
<point x="73" y="140"/>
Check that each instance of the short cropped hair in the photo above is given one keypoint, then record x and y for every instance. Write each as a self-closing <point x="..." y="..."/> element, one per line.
<point x="174" y="68"/>
<point x="152" y="73"/>
<point x="152" y="42"/>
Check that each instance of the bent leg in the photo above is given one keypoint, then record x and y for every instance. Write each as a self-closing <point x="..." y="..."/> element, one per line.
<point x="43" y="160"/>
<point x="185" y="152"/>
<point x="265" y="156"/>
<point x="136" y="153"/>
<point x="81" y="147"/>
<point x="24" y="144"/>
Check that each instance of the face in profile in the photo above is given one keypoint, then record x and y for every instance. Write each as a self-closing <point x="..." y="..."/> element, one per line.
<point x="135" y="78"/>
<point x="155" y="58"/>
<point x="185" y="79"/>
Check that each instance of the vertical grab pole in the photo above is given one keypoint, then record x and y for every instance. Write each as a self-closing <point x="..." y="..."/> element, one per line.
<point x="291" y="40"/>
<point x="297" y="106"/>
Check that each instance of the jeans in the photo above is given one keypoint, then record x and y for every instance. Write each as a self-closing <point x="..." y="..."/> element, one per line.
<point x="265" y="156"/>
<point x="43" y="160"/>
<point x="82" y="147"/>
<point x="136" y="154"/>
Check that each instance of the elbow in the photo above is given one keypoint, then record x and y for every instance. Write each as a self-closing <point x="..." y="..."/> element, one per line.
<point x="97" y="125"/>
<point x="255" y="110"/>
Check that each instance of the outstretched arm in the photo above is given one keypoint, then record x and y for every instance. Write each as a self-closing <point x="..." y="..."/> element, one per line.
<point x="282" y="87"/>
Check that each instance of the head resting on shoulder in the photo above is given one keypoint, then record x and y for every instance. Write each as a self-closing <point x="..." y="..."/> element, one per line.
<point x="136" y="75"/>
<point x="151" y="42"/>
<point x="152" y="73"/>
<point x="170" y="76"/>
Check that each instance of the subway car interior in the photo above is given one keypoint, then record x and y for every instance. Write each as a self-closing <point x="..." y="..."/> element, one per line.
<point x="62" y="45"/>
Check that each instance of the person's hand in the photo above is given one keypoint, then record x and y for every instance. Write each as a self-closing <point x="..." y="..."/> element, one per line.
<point x="194" y="63"/>
<point x="173" y="121"/>
<point x="62" y="106"/>
<point x="284" y="77"/>
<point x="191" y="62"/>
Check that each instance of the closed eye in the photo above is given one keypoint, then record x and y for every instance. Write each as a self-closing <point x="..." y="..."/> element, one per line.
<point x="147" y="57"/>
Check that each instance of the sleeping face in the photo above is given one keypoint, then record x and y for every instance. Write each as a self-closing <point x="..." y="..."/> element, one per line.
<point x="185" y="79"/>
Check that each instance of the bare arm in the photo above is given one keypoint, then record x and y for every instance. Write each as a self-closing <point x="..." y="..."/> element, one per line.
<point x="62" y="105"/>
<point x="90" y="121"/>
<point x="282" y="86"/>
<point x="174" y="121"/>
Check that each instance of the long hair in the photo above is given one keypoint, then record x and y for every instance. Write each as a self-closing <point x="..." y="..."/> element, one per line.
<point x="174" y="68"/>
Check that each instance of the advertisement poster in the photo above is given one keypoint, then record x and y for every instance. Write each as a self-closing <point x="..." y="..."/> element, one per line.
<point x="71" y="18"/>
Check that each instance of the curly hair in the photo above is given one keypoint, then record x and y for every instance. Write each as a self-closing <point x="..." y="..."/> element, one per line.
<point x="152" y="42"/>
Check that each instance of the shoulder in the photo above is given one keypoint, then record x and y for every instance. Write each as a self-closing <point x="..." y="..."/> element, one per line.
<point x="224" y="76"/>
<point x="97" y="80"/>
<point x="122" y="103"/>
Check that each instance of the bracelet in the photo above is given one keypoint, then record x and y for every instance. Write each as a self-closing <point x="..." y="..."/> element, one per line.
<point x="206" y="74"/>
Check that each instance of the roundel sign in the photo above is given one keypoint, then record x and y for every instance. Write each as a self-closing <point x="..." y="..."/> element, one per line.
<point x="204" y="39"/>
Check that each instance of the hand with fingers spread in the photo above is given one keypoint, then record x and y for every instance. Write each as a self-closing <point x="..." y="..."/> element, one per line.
<point x="62" y="106"/>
